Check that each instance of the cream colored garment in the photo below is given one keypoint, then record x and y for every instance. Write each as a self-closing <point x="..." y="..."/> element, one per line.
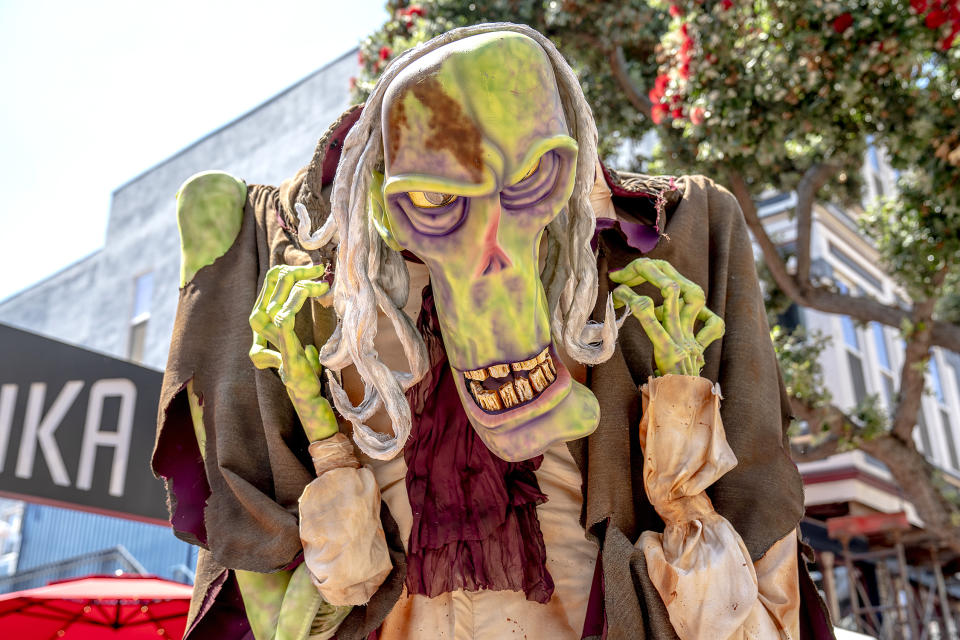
<point x="601" y="197"/>
<point x="699" y="563"/>
<point x="343" y="541"/>
<point x="482" y="615"/>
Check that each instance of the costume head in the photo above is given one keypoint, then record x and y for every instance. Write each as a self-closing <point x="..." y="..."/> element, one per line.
<point x="469" y="147"/>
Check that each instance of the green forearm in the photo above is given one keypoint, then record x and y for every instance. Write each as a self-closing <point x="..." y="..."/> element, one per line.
<point x="285" y="290"/>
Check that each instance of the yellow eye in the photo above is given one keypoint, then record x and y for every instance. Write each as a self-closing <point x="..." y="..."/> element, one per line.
<point x="430" y="199"/>
<point x="532" y="171"/>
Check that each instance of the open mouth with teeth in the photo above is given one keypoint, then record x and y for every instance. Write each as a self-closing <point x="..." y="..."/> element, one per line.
<point x="506" y="386"/>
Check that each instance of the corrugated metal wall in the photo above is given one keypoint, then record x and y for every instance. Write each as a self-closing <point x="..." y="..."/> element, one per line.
<point x="51" y="534"/>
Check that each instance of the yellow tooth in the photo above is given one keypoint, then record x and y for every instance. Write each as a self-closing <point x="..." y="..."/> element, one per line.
<point x="509" y="395"/>
<point x="543" y="355"/>
<point x="547" y="373"/>
<point x="499" y="370"/>
<point x="549" y="363"/>
<point x="523" y="389"/>
<point x="524" y="365"/>
<point x="489" y="400"/>
<point x="479" y="374"/>
<point x="538" y="380"/>
<point x="476" y="389"/>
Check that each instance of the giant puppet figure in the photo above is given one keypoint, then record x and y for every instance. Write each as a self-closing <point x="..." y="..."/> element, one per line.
<point x="504" y="456"/>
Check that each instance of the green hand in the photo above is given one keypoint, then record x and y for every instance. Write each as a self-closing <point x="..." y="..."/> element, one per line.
<point x="670" y="327"/>
<point x="284" y="292"/>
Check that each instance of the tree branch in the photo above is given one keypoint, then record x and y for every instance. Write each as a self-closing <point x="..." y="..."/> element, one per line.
<point x="942" y="334"/>
<point x="825" y="449"/>
<point x="910" y="470"/>
<point x="778" y="268"/>
<point x="813" y="179"/>
<point x="914" y="475"/>
<point x="618" y="66"/>
<point x="834" y="419"/>
<point x="916" y="352"/>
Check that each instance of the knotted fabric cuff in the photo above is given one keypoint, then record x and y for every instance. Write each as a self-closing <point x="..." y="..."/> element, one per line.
<point x="344" y="546"/>
<point x="332" y="453"/>
<point x="699" y="564"/>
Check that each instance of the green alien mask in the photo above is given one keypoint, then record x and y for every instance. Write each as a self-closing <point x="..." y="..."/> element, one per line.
<point x="477" y="161"/>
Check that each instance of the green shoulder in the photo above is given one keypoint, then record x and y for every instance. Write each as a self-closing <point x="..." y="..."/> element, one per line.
<point x="209" y="214"/>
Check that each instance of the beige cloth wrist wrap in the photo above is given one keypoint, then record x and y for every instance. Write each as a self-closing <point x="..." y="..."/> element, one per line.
<point x="343" y="541"/>
<point x="699" y="564"/>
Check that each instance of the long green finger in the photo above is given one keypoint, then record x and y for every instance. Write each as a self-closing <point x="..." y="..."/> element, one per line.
<point x="671" y="312"/>
<point x="269" y="286"/>
<point x="264" y="358"/>
<point x="712" y="329"/>
<point x="669" y="271"/>
<point x="288" y="277"/>
<point x="690" y="293"/>
<point x="263" y="327"/>
<point x="313" y="357"/>
<point x="665" y="351"/>
<point x="299" y="294"/>
<point x="259" y="319"/>
<point x="656" y="275"/>
<point x="639" y="271"/>
<point x="693" y="305"/>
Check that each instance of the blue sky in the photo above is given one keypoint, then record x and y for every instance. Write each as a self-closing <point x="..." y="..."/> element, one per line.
<point x="95" y="92"/>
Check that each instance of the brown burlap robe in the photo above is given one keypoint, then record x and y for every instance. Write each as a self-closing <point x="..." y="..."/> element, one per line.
<point x="257" y="464"/>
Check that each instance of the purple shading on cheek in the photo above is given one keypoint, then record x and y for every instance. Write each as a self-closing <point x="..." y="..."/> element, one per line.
<point x="436" y="222"/>
<point x="535" y="189"/>
<point x="642" y="237"/>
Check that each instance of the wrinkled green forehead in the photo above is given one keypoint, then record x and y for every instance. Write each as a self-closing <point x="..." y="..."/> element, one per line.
<point x="481" y="102"/>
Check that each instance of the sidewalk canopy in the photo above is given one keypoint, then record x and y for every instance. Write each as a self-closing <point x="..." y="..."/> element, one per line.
<point x="97" y="607"/>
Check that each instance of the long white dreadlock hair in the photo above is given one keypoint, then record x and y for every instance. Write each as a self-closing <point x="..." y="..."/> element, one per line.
<point x="371" y="276"/>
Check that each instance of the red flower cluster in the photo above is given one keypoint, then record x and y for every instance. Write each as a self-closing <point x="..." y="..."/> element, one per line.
<point x="385" y="52"/>
<point x="412" y="10"/>
<point x="941" y="12"/>
<point x="674" y="109"/>
<point x="686" y="46"/>
<point x="659" y="113"/>
<point x="937" y="13"/>
<point x="659" y="88"/>
<point x="842" y="22"/>
<point x="406" y="16"/>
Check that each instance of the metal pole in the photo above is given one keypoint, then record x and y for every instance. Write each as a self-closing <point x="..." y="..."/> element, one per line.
<point x="907" y="588"/>
<point x="946" y="618"/>
<point x="830" y="584"/>
<point x="888" y="599"/>
<point x="851" y="583"/>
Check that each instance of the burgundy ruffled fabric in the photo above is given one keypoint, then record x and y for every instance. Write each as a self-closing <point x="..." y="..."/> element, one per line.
<point x="474" y="515"/>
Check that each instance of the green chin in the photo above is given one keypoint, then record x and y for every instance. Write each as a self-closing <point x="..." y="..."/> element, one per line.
<point x="565" y="411"/>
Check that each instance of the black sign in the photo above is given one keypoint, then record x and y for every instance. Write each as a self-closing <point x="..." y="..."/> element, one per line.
<point x="77" y="428"/>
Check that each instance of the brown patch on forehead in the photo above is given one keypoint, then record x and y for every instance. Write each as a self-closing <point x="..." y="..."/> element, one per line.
<point x="451" y="128"/>
<point x="396" y="120"/>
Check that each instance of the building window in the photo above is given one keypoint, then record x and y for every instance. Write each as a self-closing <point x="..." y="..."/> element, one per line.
<point x="886" y="371"/>
<point x="140" y="316"/>
<point x="924" y="434"/>
<point x="935" y="378"/>
<point x="948" y="436"/>
<point x="851" y="340"/>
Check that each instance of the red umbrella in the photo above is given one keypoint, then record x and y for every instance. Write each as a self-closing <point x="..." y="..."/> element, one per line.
<point x="97" y="608"/>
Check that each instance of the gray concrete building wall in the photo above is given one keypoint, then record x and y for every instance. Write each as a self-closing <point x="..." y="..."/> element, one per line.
<point x="91" y="302"/>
